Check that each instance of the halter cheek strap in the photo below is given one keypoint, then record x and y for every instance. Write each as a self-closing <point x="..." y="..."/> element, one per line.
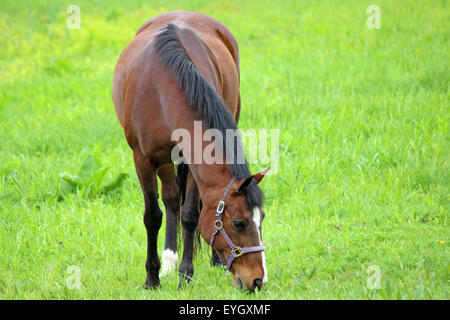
<point x="236" y="251"/>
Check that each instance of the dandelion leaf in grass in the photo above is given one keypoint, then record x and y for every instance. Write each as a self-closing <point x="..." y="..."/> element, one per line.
<point x="97" y="178"/>
<point x="90" y="179"/>
<point x="89" y="167"/>
<point x="116" y="184"/>
<point x="73" y="181"/>
<point x="70" y="183"/>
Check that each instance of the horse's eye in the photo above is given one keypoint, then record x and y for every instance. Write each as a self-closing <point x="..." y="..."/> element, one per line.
<point x="239" y="225"/>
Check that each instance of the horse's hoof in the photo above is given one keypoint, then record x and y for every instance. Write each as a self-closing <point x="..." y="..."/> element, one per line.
<point x="185" y="280"/>
<point x="183" y="283"/>
<point x="152" y="284"/>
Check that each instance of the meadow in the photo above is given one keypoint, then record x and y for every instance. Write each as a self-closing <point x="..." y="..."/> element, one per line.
<point x="357" y="210"/>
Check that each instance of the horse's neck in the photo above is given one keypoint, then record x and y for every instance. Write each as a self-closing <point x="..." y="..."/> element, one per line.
<point x="211" y="180"/>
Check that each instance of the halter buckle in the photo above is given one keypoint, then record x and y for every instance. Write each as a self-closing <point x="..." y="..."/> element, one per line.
<point x="220" y="207"/>
<point x="237" y="252"/>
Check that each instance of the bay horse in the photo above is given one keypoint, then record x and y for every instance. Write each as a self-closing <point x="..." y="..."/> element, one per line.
<point x="183" y="67"/>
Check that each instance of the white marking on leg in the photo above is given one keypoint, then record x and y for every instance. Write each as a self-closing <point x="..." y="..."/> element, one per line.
<point x="169" y="262"/>
<point x="257" y="220"/>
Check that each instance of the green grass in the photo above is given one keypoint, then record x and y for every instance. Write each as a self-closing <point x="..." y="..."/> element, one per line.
<point x="364" y="149"/>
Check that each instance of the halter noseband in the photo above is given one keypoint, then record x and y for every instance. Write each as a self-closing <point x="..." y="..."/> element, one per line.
<point x="236" y="251"/>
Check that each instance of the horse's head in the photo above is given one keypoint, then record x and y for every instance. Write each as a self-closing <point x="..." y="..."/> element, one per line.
<point x="233" y="225"/>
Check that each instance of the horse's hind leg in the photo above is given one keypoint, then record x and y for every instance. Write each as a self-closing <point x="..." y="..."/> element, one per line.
<point x="215" y="259"/>
<point x="189" y="220"/>
<point x="171" y="199"/>
<point x="152" y="216"/>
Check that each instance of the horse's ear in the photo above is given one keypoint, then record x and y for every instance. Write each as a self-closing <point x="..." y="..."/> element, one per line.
<point x="259" y="176"/>
<point x="244" y="183"/>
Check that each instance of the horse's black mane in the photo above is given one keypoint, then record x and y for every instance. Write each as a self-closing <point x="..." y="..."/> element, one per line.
<point x="202" y="98"/>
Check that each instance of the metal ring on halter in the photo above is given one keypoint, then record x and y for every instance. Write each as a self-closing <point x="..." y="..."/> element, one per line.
<point x="218" y="224"/>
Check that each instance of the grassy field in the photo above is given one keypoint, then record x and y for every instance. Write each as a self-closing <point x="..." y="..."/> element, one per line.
<point x="363" y="182"/>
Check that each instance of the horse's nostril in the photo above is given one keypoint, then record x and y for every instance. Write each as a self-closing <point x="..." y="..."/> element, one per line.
<point x="257" y="283"/>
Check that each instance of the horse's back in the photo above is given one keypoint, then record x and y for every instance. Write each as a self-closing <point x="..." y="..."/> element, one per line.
<point x="141" y="85"/>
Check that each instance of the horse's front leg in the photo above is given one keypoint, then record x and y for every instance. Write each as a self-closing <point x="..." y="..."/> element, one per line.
<point x="152" y="216"/>
<point x="171" y="199"/>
